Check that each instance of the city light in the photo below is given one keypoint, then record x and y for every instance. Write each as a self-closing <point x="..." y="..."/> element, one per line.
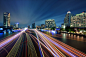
<point x="43" y="28"/>
<point x="3" y="43"/>
<point x="1" y="28"/>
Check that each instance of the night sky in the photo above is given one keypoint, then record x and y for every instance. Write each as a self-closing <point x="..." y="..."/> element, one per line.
<point x="25" y="12"/>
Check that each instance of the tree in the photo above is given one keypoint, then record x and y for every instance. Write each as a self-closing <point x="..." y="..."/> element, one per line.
<point x="53" y="28"/>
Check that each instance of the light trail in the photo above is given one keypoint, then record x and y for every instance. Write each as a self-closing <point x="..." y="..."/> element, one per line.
<point x="56" y="44"/>
<point x="68" y="47"/>
<point x="48" y="45"/>
<point x="52" y="44"/>
<point x="5" y="42"/>
<point x="40" y="49"/>
<point x="34" y="38"/>
<point x="52" y="47"/>
<point x="60" y="46"/>
<point x="31" y="46"/>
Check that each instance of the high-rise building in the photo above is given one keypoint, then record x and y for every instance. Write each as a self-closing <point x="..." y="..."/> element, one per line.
<point x="67" y="18"/>
<point x="16" y="25"/>
<point x="42" y="26"/>
<point x="6" y="19"/>
<point x="33" y="25"/>
<point x="50" y="23"/>
<point x="79" y="20"/>
<point x="38" y="27"/>
<point x="28" y="26"/>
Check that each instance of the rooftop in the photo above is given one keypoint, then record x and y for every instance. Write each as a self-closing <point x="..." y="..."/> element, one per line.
<point x="50" y="20"/>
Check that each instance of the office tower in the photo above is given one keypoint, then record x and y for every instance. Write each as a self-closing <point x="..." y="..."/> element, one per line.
<point x="79" y="20"/>
<point x="42" y="26"/>
<point x="62" y="25"/>
<point x="16" y="25"/>
<point x="67" y="18"/>
<point x="33" y="25"/>
<point x="6" y="19"/>
<point x="50" y="23"/>
<point x="28" y="26"/>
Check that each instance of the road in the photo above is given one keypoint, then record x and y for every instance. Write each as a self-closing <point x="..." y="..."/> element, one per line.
<point x="33" y="43"/>
<point x="58" y="48"/>
<point x="18" y="45"/>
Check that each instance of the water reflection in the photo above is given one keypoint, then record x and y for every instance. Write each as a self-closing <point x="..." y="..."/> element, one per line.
<point x="71" y="35"/>
<point x="4" y="34"/>
<point x="4" y="31"/>
<point x="1" y="35"/>
<point x="74" y="36"/>
<point x="78" y="38"/>
<point x="64" y="37"/>
<point x="82" y="38"/>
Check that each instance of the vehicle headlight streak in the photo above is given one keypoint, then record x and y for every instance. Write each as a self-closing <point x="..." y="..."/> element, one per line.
<point x="51" y="47"/>
<point x="39" y="46"/>
<point x="69" y="48"/>
<point x="3" y="43"/>
<point x="48" y="47"/>
<point x="58" y="45"/>
<point x="55" y="50"/>
<point x="43" y="45"/>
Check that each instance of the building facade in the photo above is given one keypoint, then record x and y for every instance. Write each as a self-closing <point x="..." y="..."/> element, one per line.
<point x="42" y="26"/>
<point x="50" y="23"/>
<point x="33" y="25"/>
<point x="79" y="20"/>
<point x="67" y="18"/>
<point x="16" y="25"/>
<point x="63" y="25"/>
<point x="6" y="19"/>
<point x="28" y="26"/>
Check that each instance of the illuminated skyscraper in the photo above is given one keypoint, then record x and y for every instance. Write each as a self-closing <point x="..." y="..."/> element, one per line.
<point x="67" y="18"/>
<point x="17" y="25"/>
<point x="50" y="23"/>
<point x="33" y="25"/>
<point x="42" y="26"/>
<point x="6" y="19"/>
<point x="79" y="20"/>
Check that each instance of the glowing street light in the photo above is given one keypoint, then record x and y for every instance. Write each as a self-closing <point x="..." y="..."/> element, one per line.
<point x="64" y="26"/>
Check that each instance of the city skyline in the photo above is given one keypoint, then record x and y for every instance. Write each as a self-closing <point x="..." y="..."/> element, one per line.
<point x="42" y="28"/>
<point x="27" y="12"/>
